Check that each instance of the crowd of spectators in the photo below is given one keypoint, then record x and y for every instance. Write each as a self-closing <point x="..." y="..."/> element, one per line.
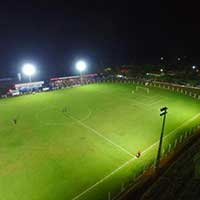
<point x="56" y="83"/>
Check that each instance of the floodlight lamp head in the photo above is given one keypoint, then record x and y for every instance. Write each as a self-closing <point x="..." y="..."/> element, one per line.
<point x="80" y="65"/>
<point x="28" y="69"/>
<point x="163" y="111"/>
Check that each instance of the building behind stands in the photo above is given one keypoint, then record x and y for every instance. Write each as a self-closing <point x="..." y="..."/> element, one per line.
<point x="5" y="85"/>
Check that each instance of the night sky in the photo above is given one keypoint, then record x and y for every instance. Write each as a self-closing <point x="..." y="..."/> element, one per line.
<point x="54" y="34"/>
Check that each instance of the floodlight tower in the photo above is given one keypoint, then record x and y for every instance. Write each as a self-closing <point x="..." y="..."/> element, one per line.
<point x="163" y="112"/>
<point x="29" y="70"/>
<point x="81" y="66"/>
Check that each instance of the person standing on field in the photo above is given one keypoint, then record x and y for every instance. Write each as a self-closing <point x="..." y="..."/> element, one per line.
<point x="15" y="121"/>
<point x="138" y="154"/>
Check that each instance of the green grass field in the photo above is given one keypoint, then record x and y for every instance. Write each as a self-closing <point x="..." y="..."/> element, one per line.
<point x="90" y="149"/>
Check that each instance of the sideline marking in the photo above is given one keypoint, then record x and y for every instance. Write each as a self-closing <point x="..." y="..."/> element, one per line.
<point x="134" y="158"/>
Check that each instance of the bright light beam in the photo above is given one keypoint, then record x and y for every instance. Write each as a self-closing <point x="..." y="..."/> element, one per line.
<point x="81" y="66"/>
<point x="29" y="70"/>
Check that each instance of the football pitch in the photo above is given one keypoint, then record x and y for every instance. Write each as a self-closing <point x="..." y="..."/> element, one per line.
<point x="81" y="142"/>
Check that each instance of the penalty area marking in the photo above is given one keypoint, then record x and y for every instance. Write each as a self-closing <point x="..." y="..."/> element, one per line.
<point x="132" y="159"/>
<point x="157" y="102"/>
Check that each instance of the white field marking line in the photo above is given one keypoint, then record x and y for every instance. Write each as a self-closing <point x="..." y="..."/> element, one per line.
<point x="139" y="103"/>
<point x="47" y="123"/>
<point x="156" y="97"/>
<point x="88" y="115"/>
<point x="53" y="124"/>
<point x="100" y="135"/>
<point x="139" y="95"/>
<point x="132" y="159"/>
<point x="171" y="132"/>
<point x="149" y="97"/>
<point x="146" y="97"/>
<point x="137" y="107"/>
<point x="145" y="104"/>
<point x="104" y="178"/>
<point x="147" y="108"/>
<point x="58" y="123"/>
<point x="156" y="102"/>
<point x="134" y="107"/>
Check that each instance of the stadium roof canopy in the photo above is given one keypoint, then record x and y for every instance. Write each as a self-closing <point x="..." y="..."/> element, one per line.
<point x="73" y="77"/>
<point x="29" y="85"/>
<point x="5" y="79"/>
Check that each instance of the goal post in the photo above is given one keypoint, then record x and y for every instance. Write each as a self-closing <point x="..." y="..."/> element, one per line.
<point x="139" y="88"/>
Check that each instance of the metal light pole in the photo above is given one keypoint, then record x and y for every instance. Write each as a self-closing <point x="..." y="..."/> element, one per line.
<point x="81" y="66"/>
<point x="81" y="77"/>
<point x="30" y="80"/>
<point x="163" y="112"/>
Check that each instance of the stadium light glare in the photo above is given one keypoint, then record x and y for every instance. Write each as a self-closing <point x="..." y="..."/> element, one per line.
<point x="81" y="66"/>
<point x="29" y="70"/>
